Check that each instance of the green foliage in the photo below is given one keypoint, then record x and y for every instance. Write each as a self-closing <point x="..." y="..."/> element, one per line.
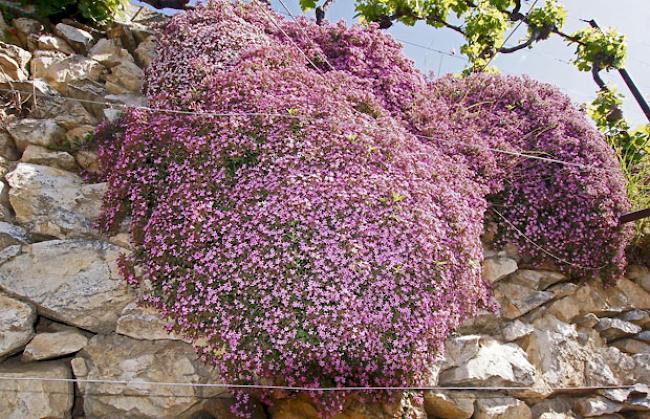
<point x="604" y="49"/>
<point x="307" y="4"/>
<point x="484" y="32"/>
<point x="542" y="20"/>
<point x="96" y="11"/>
<point x="633" y="149"/>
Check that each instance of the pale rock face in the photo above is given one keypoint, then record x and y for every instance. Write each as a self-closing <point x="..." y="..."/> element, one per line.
<point x="53" y="43"/>
<point x="54" y="202"/>
<point x="116" y="357"/>
<point x="12" y="234"/>
<point x="559" y="352"/>
<point x="502" y="408"/>
<point x="40" y="155"/>
<point x="449" y="406"/>
<point x="32" y="398"/>
<point x="597" y="406"/>
<point x="126" y="77"/>
<point x="8" y="147"/>
<point x="88" y="161"/>
<point x="43" y="132"/>
<point x="69" y="114"/>
<point x="42" y="61"/>
<point x="632" y="346"/>
<point x="79" y="39"/>
<point x="611" y="328"/>
<point x="13" y="62"/>
<point x="26" y="27"/>
<point x="538" y="280"/>
<point x="516" y="300"/>
<point x="640" y="275"/>
<point x="516" y="330"/>
<point x="53" y="345"/>
<point x="16" y="325"/>
<point x="73" y="68"/>
<point x="495" y="364"/>
<point x="78" y="136"/>
<point x="143" y="323"/>
<point x="146" y="52"/>
<point x="497" y="268"/>
<point x="73" y="281"/>
<point x="638" y="317"/>
<point x="109" y="54"/>
<point x="459" y="350"/>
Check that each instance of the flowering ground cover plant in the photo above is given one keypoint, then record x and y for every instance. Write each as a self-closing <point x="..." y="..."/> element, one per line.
<point x="322" y="226"/>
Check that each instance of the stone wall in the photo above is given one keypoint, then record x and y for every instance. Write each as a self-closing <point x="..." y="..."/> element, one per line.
<point x="66" y="313"/>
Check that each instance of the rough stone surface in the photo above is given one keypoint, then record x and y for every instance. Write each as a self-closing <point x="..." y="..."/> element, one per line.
<point x="53" y="43"/>
<point x="8" y="147"/>
<point x="73" y="281"/>
<point x="632" y="346"/>
<point x="516" y="330"/>
<point x="497" y="268"/>
<point x="126" y="77"/>
<point x="539" y="280"/>
<point x="25" y="27"/>
<point x="143" y="323"/>
<point x="40" y="155"/>
<point x="12" y="234"/>
<point x="145" y="52"/>
<point x="611" y="329"/>
<point x="495" y="364"/>
<point x="597" y="406"/>
<point x="73" y="68"/>
<point x="35" y="399"/>
<point x="88" y="161"/>
<point x="13" y="62"/>
<point x="79" y="39"/>
<point x="640" y="275"/>
<point x="517" y="300"/>
<point x="54" y="345"/>
<point x="502" y="408"/>
<point x="116" y="357"/>
<point x="43" y="132"/>
<point x="16" y="325"/>
<point x="109" y="54"/>
<point x="449" y="406"/>
<point x="54" y="202"/>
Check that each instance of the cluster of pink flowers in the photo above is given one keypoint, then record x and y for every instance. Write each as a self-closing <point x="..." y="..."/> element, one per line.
<point x="309" y="233"/>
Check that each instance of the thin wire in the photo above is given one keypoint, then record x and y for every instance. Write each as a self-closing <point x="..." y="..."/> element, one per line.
<point x="510" y="35"/>
<point x="531" y="241"/>
<point x="303" y="388"/>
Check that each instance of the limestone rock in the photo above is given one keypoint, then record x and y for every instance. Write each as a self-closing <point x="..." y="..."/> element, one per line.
<point x="73" y="68"/>
<point x="459" y="350"/>
<point x="13" y="62"/>
<point x="33" y="398"/>
<point x="16" y="325"/>
<point x="143" y="323"/>
<point x="495" y="364"/>
<point x="497" y="268"/>
<point x="644" y="336"/>
<point x="553" y="408"/>
<point x="43" y="132"/>
<point x="516" y="330"/>
<point x="638" y="317"/>
<point x="597" y="406"/>
<point x="53" y="345"/>
<point x="12" y="234"/>
<point x="538" y="280"/>
<point x="53" y="202"/>
<point x="53" y="43"/>
<point x="632" y="346"/>
<point x="88" y="161"/>
<point x="449" y="406"/>
<point x="611" y="328"/>
<point x="109" y="54"/>
<point x="91" y="92"/>
<point x="73" y="281"/>
<point x="79" y="39"/>
<point x="640" y="275"/>
<point x="517" y="300"/>
<point x="77" y="137"/>
<point x="145" y="52"/>
<point x="42" y="61"/>
<point x="126" y="77"/>
<point x="8" y="147"/>
<point x="26" y="27"/>
<point x="67" y="113"/>
<point x="40" y="155"/>
<point x="502" y="408"/>
<point x="116" y="357"/>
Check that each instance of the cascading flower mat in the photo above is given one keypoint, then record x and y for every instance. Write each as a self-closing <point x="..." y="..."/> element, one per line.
<point x="318" y="222"/>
